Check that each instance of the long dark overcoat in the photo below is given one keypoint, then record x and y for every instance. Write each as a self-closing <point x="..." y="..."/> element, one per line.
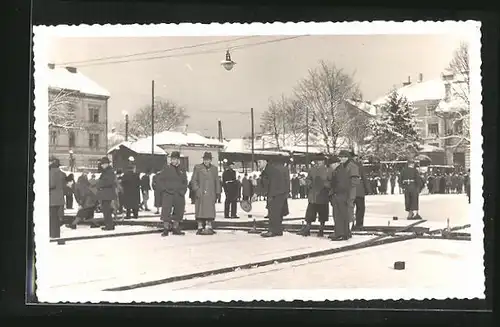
<point x="57" y="183"/>
<point x="319" y="186"/>
<point x="206" y="185"/>
<point x="246" y="186"/>
<point x="157" y="193"/>
<point x="106" y="185"/>
<point x="131" y="190"/>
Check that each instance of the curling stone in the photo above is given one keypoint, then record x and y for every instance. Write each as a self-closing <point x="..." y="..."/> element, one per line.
<point x="395" y="218"/>
<point x="61" y="242"/>
<point x="399" y="265"/>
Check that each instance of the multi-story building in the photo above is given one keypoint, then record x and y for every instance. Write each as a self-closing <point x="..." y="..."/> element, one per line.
<point x="79" y="124"/>
<point x="434" y="125"/>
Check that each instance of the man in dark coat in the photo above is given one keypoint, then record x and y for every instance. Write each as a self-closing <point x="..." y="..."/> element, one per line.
<point x="231" y="190"/>
<point x="412" y="185"/>
<point x="131" y="184"/>
<point x="362" y="189"/>
<point x="57" y="182"/>
<point x="317" y="180"/>
<point x="218" y="195"/>
<point x="173" y="185"/>
<point x="295" y="186"/>
<point x="344" y="183"/>
<point x="467" y="184"/>
<point x="206" y="185"/>
<point x="157" y="194"/>
<point x="392" y="180"/>
<point x="276" y="185"/>
<point x="145" y="188"/>
<point x="246" y="188"/>
<point x="106" y="192"/>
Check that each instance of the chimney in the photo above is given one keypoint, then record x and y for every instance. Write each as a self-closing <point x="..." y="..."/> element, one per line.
<point x="420" y="77"/>
<point x="51" y="66"/>
<point x="71" y="69"/>
<point x="407" y="83"/>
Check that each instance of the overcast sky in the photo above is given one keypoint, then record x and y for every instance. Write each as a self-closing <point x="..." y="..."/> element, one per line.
<point x="199" y="83"/>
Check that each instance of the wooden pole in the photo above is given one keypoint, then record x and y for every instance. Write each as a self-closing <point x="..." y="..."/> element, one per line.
<point x="307" y="136"/>
<point x="152" y="120"/>
<point x="253" y="139"/>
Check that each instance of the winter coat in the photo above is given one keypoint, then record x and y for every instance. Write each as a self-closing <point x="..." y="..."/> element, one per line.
<point x="157" y="193"/>
<point x="145" y="183"/>
<point x="131" y="190"/>
<point x="206" y="185"/>
<point x="317" y="180"/>
<point x="230" y="184"/>
<point x="106" y="185"/>
<point x="363" y="187"/>
<point x="295" y="185"/>
<point x="172" y="180"/>
<point x="57" y="182"/>
<point x="246" y="186"/>
<point x="344" y="180"/>
<point x="85" y="197"/>
<point x="275" y="180"/>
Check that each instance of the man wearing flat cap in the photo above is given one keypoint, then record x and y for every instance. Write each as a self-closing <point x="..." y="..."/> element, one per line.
<point x="206" y="186"/>
<point x="412" y="184"/>
<point x="106" y="192"/>
<point x="172" y="184"/>
<point x="344" y="181"/>
<point x="231" y="190"/>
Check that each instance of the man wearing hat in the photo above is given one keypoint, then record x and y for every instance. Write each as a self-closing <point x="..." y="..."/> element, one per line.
<point x="106" y="192"/>
<point x="412" y="184"/>
<point x="276" y="186"/>
<point x="344" y="181"/>
<point x="172" y="184"/>
<point x="57" y="181"/>
<point x="231" y="189"/>
<point x="206" y="186"/>
<point x="362" y="189"/>
<point x="318" y="187"/>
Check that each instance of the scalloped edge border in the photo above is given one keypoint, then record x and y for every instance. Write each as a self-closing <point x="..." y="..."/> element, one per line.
<point x="41" y="35"/>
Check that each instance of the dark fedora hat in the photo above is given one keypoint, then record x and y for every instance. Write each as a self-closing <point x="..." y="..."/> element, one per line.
<point x="175" y="154"/>
<point x="105" y="160"/>
<point x="207" y="155"/>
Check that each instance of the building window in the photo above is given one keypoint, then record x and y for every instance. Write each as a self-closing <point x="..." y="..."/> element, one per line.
<point x="53" y="137"/>
<point x="71" y="139"/>
<point x="94" y="114"/>
<point x="93" y="141"/>
<point x="433" y="130"/>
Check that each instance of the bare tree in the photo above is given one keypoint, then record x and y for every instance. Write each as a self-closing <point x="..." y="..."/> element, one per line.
<point x="295" y="120"/>
<point x="62" y="109"/>
<point x="455" y="109"/>
<point x="325" y="92"/>
<point x="167" y="116"/>
<point x="272" y="121"/>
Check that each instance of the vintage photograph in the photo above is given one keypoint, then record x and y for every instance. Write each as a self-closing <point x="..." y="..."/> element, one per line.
<point x="311" y="161"/>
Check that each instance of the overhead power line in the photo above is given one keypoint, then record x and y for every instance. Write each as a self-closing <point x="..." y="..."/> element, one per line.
<point x="207" y="51"/>
<point x="155" y="52"/>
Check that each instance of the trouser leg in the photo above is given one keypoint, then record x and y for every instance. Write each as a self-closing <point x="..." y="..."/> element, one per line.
<point x="341" y="216"/>
<point x="227" y="203"/>
<point x="233" y="208"/>
<point x="360" y="210"/>
<point x="276" y="205"/>
<point x="106" y="211"/>
<point x="54" y="223"/>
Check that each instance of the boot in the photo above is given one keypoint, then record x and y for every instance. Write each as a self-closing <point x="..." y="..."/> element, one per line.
<point x="321" y="232"/>
<point x="305" y="231"/>
<point x="166" y="229"/>
<point x="176" y="230"/>
<point x="410" y="215"/>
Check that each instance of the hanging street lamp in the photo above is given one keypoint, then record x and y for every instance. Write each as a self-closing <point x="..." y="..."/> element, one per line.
<point x="228" y="64"/>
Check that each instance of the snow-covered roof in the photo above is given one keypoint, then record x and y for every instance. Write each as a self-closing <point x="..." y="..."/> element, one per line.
<point x="454" y="105"/>
<point x="420" y="91"/>
<point x="364" y="106"/>
<point x="430" y="148"/>
<point x="304" y="149"/>
<point x="237" y="145"/>
<point x="178" y="138"/>
<point x="141" y="146"/>
<point x="62" y="78"/>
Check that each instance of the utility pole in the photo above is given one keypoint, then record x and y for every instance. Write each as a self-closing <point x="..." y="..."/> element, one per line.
<point x="253" y="139"/>
<point x="126" y="127"/>
<point x="152" y="120"/>
<point x="307" y="137"/>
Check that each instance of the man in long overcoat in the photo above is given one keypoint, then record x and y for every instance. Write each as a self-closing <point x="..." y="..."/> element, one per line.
<point x="173" y="185"/>
<point x="106" y="192"/>
<point x="362" y="189"/>
<point x="344" y="183"/>
<point x="231" y="190"/>
<point x="412" y="185"/>
<point x="318" y="204"/>
<point x="276" y="185"/>
<point x="57" y="182"/>
<point x="131" y="184"/>
<point x="206" y="185"/>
